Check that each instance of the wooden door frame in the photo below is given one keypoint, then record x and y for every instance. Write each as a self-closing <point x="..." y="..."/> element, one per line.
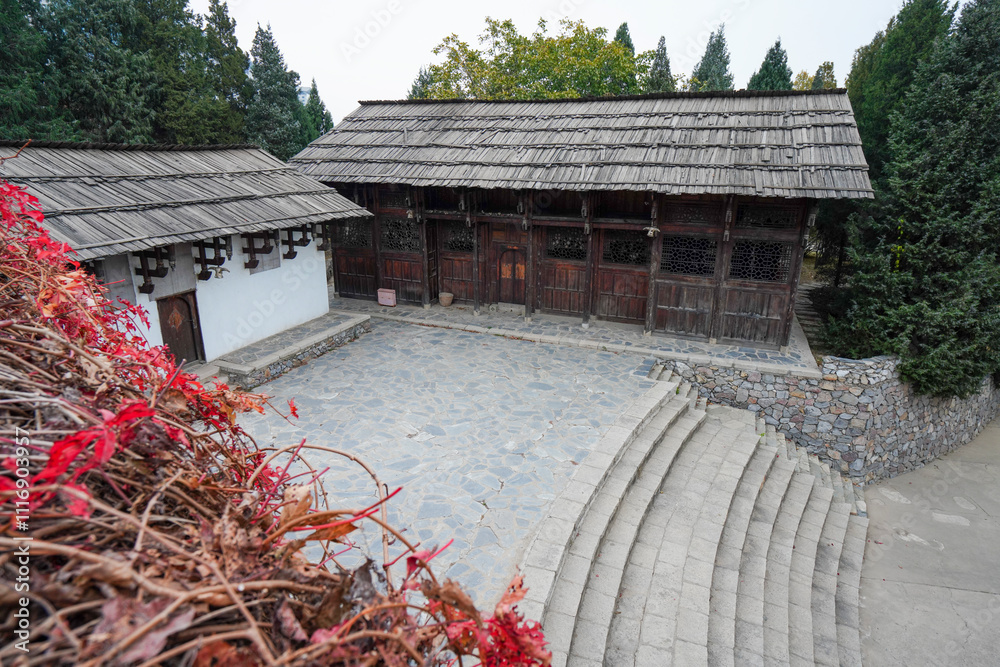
<point x="499" y="249"/>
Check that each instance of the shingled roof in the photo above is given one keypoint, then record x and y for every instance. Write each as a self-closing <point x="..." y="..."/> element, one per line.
<point x="107" y="199"/>
<point x="771" y="144"/>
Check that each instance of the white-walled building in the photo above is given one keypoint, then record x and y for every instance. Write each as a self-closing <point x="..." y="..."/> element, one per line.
<point x="223" y="245"/>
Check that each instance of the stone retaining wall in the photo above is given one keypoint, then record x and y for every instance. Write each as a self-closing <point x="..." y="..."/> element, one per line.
<point x="281" y="362"/>
<point x="860" y="416"/>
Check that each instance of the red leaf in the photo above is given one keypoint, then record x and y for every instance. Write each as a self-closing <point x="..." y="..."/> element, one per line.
<point x="292" y="409"/>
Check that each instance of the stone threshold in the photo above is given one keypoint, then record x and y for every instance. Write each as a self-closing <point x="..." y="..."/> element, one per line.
<point x="573" y="341"/>
<point x="279" y="362"/>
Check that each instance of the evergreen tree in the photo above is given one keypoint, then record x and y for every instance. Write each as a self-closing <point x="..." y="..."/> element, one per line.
<point x="274" y="115"/>
<point x="92" y="77"/>
<point x="21" y="64"/>
<point x="227" y="66"/>
<point x="320" y="120"/>
<point x="888" y="66"/>
<point x="774" y="73"/>
<point x="712" y="71"/>
<point x="824" y="77"/>
<point x="420" y="90"/>
<point x="660" y="79"/>
<point x="623" y="37"/>
<point x="927" y="285"/>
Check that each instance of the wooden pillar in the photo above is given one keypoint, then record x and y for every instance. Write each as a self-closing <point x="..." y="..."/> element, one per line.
<point x="655" y="251"/>
<point x="529" y="292"/>
<point x="425" y="278"/>
<point x="811" y="212"/>
<point x="376" y="236"/>
<point x="470" y="220"/>
<point x="722" y="270"/>
<point x="588" y="276"/>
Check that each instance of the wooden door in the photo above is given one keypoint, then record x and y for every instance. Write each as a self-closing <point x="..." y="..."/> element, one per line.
<point x="511" y="269"/>
<point x="562" y="269"/>
<point x="622" y="282"/>
<point x="354" y="259"/>
<point x="179" y="326"/>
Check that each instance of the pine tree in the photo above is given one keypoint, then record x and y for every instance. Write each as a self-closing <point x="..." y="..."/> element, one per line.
<point x="227" y="66"/>
<point x="774" y="73"/>
<point x="273" y="119"/>
<point x="106" y="90"/>
<point x="712" y="71"/>
<point x="884" y="70"/>
<point x="824" y="77"/>
<point x="319" y="118"/>
<point x="420" y="90"/>
<point x="623" y="37"/>
<point x="660" y="79"/>
<point x="927" y="286"/>
<point x="21" y="64"/>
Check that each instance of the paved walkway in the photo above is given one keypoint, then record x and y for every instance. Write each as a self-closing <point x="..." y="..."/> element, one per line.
<point x="481" y="432"/>
<point x="931" y="582"/>
<point x="611" y="335"/>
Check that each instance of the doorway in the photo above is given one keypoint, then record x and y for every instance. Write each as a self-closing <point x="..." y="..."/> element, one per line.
<point x="511" y="270"/>
<point x="179" y="326"/>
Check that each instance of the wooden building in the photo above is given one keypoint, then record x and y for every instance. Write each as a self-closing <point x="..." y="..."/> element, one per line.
<point x="223" y="245"/>
<point x="684" y="213"/>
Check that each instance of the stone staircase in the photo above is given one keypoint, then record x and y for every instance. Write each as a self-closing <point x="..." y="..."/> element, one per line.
<point x="698" y="535"/>
<point x="808" y="318"/>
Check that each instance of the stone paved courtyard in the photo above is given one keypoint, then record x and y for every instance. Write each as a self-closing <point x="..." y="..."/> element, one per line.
<point x="481" y="432"/>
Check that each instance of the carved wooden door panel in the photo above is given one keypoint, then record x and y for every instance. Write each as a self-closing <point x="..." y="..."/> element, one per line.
<point x="179" y="326"/>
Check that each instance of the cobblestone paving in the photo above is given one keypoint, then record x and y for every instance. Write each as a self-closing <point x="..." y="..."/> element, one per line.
<point x="481" y="432"/>
<point x="249" y="354"/>
<point x="797" y="356"/>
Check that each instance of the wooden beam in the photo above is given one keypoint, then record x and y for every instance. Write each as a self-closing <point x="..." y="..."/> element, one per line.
<point x="425" y="273"/>
<point x="470" y="220"/>
<point x="529" y="292"/>
<point x="722" y="269"/>
<point x="656" y="250"/>
<point x="808" y="221"/>
<point x="588" y="276"/>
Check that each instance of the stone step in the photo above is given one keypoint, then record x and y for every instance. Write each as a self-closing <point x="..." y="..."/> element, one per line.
<point x="749" y="629"/>
<point x="725" y="577"/>
<point x="803" y="564"/>
<point x="548" y="552"/>
<point x="678" y="603"/>
<point x="848" y="599"/>
<point x="617" y="495"/>
<point x="824" y="584"/>
<point x="596" y="602"/>
<point x="779" y="561"/>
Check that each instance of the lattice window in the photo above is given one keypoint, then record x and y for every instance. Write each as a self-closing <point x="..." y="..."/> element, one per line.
<point x="389" y="199"/>
<point x="457" y="237"/>
<point x="689" y="255"/>
<point x="566" y="243"/>
<point x="694" y="214"/>
<point x="765" y="261"/>
<point x="400" y="235"/>
<point x="625" y="247"/>
<point x="766" y="217"/>
<point x="354" y="234"/>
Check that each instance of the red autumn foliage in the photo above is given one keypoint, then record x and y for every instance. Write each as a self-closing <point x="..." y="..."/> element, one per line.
<point x="161" y="533"/>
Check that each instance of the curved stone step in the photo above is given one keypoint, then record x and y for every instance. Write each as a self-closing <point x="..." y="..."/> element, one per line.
<point x="725" y="577"/>
<point x="749" y="631"/>
<point x="570" y="563"/>
<point x="848" y="598"/>
<point x="807" y="536"/>
<point x="824" y="608"/>
<point x="596" y="606"/>
<point x="548" y="553"/>
<point x="678" y="603"/>
<point x="777" y="572"/>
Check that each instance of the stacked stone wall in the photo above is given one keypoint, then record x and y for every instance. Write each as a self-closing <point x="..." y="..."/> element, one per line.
<point x="860" y="416"/>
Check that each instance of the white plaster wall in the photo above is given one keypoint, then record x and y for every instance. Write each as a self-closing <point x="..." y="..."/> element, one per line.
<point x="240" y="309"/>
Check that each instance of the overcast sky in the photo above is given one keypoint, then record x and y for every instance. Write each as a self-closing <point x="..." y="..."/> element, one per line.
<point x="372" y="49"/>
